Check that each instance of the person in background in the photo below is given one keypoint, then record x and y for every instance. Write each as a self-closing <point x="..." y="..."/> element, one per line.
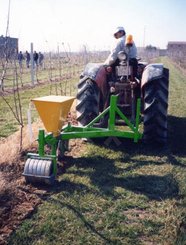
<point x="20" y="59"/>
<point x="27" y="57"/>
<point x="131" y="50"/>
<point x="120" y="35"/>
<point x="40" y="59"/>
<point x="131" y="47"/>
<point x="35" y="57"/>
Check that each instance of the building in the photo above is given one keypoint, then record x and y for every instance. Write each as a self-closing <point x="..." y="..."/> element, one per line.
<point x="176" y="48"/>
<point x="8" y="47"/>
<point x="162" y="52"/>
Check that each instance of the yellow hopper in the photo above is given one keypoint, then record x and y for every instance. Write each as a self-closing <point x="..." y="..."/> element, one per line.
<point x="53" y="111"/>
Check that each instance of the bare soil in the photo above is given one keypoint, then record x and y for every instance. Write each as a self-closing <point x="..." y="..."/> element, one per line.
<point x="18" y="200"/>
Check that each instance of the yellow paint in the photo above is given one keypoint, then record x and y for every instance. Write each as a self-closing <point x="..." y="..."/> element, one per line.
<point x="53" y="111"/>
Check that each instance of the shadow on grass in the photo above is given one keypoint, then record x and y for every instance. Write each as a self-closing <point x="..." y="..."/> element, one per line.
<point x="175" y="147"/>
<point x="104" y="174"/>
<point x="79" y="215"/>
<point x="105" y="177"/>
<point x="177" y="135"/>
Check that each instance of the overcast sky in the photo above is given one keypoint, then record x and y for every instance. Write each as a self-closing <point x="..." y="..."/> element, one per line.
<point x="73" y="23"/>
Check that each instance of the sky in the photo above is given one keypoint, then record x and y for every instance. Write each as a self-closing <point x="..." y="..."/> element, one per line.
<point x="71" y="24"/>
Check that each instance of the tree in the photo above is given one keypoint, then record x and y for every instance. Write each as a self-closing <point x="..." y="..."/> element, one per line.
<point x="151" y="48"/>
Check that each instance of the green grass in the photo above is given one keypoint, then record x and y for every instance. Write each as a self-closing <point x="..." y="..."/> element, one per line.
<point x="126" y="194"/>
<point x="50" y="72"/>
<point x="9" y="124"/>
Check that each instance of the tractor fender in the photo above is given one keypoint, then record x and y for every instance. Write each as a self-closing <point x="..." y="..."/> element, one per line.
<point x="151" y="72"/>
<point x="97" y="73"/>
<point x="91" y="70"/>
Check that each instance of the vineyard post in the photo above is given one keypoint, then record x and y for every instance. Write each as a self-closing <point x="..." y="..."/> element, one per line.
<point x="32" y="63"/>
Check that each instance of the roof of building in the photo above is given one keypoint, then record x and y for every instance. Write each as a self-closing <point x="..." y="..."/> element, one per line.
<point x="177" y="42"/>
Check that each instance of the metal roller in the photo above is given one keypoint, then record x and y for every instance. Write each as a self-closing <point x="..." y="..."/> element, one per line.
<point x="39" y="171"/>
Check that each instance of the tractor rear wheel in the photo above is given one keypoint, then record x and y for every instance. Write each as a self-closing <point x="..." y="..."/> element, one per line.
<point x="87" y="101"/>
<point x="155" y="109"/>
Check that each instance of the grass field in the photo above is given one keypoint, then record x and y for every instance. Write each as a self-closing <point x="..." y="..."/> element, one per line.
<point x="126" y="194"/>
<point x="8" y="122"/>
<point x="41" y="74"/>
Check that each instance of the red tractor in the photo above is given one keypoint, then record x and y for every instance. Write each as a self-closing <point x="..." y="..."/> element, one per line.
<point x="130" y="80"/>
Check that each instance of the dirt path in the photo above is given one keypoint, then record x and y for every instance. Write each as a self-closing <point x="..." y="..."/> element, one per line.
<point x="17" y="200"/>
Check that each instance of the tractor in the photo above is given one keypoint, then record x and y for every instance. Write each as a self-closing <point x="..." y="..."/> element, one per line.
<point x="107" y="96"/>
<point x="129" y="79"/>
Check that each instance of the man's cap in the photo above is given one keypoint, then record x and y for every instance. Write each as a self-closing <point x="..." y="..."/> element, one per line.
<point x="119" y="28"/>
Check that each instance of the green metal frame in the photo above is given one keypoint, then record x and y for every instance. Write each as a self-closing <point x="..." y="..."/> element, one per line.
<point x="71" y="132"/>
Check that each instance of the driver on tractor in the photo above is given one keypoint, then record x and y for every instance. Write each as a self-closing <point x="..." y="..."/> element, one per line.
<point x="123" y="44"/>
<point x="122" y="75"/>
<point x="119" y="34"/>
